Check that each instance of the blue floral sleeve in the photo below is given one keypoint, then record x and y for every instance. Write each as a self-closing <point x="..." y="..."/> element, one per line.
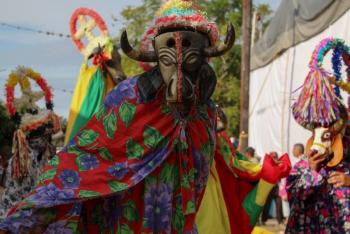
<point x="303" y="181"/>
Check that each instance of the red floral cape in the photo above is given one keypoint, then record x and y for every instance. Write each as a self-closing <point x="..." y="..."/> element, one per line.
<point x="136" y="167"/>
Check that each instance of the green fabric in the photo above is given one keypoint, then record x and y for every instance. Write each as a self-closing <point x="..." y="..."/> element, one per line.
<point x="240" y="156"/>
<point x="91" y="103"/>
<point x="253" y="210"/>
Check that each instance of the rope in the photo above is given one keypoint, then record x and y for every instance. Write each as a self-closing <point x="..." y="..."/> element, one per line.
<point x="39" y="31"/>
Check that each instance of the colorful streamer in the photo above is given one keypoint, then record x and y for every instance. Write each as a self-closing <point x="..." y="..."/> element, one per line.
<point x="319" y="103"/>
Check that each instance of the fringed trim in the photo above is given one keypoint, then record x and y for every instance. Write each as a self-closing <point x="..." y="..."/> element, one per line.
<point x="21" y="161"/>
<point x="319" y="103"/>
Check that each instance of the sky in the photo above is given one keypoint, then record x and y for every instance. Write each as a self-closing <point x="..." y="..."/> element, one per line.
<point x="57" y="59"/>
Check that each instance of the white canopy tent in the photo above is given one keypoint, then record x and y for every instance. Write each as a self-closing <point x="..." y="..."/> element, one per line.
<point x="280" y="64"/>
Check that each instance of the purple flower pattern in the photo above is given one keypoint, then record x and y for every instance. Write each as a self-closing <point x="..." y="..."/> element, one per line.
<point x="124" y="90"/>
<point x="89" y="162"/>
<point x="70" y="179"/>
<point x="58" y="228"/>
<point x="50" y="195"/>
<point x="119" y="170"/>
<point x="158" y="208"/>
<point x="202" y="166"/>
<point x="316" y="206"/>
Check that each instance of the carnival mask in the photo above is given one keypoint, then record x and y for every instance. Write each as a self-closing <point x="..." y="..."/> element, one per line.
<point x="182" y="60"/>
<point x="328" y="141"/>
<point x="179" y="58"/>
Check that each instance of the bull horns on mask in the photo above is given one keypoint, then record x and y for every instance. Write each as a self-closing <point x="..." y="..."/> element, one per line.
<point x="222" y="48"/>
<point x="148" y="57"/>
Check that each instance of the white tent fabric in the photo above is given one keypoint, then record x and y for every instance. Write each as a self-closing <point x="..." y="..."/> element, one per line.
<point x="295" y="21"/>
<point x="271" y="125"/>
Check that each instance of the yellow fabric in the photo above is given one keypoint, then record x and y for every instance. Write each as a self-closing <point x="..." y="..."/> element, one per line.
<point x="212" y="216"/>
<point x="259" y="230"/>
<point x="263" y="192"/>
<point x="82" y="85"/>
<point x="250" y="167"/>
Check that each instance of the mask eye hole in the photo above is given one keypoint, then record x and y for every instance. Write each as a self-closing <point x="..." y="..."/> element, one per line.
<point x="326" y="136"/>
<point x="186" y="43"/>
<point x="170" y="43"/>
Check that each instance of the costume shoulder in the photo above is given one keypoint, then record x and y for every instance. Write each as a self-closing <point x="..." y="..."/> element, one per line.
<point x="141" y="89"/>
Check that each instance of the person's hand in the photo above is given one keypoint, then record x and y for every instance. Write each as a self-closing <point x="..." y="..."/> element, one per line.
<point x="339" y="179"/>
<point x="315" y="160"/>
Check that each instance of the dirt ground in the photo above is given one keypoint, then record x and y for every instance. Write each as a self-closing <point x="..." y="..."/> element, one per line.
<point x="271" y="227"/>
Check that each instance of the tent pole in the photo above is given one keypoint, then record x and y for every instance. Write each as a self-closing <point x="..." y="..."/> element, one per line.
<point x="245" y="70"/>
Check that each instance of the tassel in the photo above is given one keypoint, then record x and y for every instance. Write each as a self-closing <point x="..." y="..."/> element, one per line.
<point x="56" y="122"/>
<point x="319" y="103"/>
<point x="21" y="161"/>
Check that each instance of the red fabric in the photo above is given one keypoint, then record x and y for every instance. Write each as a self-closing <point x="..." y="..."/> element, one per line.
<point x="234" y="191"/>
<point x="139" y="156"/>
<point x="237" y="184"/>
<point x="281" y="169"/>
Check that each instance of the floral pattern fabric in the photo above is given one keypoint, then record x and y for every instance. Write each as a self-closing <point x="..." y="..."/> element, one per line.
<point x="136" y="167"/>
<point x="15" y="190"/>
<point x="316" y="206"/>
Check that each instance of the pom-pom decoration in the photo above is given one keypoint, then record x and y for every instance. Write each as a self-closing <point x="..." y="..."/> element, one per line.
<point x="337" y="64"/>
<point x="319" y="104"/>
<point x="83" y="22"/>
<point x="178" y="14"/>
<point x="22" y="76"/>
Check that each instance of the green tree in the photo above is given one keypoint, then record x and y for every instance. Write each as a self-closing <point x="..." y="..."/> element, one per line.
<point x="227" y="67"/>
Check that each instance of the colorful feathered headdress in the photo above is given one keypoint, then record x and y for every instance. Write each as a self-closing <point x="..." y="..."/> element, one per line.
<point x="319" y="104"/>
<point x="84" y="23"/>
<point x="30" y="116"/>
<point x="179" y="14"/>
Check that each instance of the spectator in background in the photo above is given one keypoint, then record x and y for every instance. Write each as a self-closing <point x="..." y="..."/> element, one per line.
<point x="250" y="155"/>
<point x="298" y="151"/>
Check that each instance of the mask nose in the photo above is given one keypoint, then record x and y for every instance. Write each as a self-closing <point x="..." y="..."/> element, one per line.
<point x="171" y="93"/>
<point x="319" y="148"/>
<point x="313" y="152"/>
<point x="180" y="90"/>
